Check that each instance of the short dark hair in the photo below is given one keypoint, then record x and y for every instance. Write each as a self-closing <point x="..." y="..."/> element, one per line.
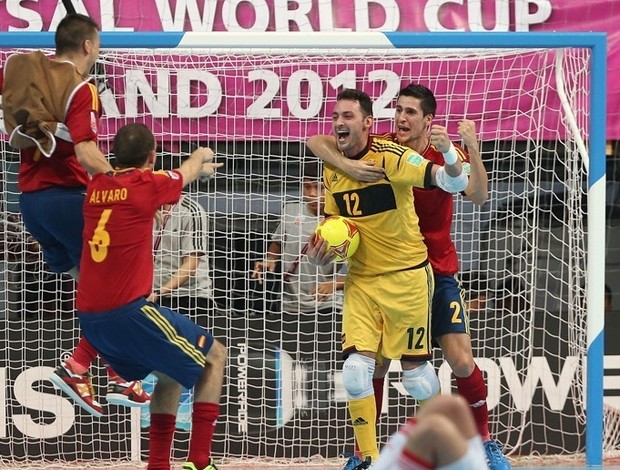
<point x="428" y="103"/>
<point x="72" y="31"/>
<point x="311" y="170"/>
<point x="132" y="145"/>
<point x="351" y="94"/>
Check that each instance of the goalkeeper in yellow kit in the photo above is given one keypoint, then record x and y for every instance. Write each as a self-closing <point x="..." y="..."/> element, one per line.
<point x="389" y="287"/>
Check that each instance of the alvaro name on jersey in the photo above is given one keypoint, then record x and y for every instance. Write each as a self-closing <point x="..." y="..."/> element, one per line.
<point x="383" y="210"/>
<point x="118" y="235"/>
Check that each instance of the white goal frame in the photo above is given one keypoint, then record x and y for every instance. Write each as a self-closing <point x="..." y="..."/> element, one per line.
<point x="593" y="151"/>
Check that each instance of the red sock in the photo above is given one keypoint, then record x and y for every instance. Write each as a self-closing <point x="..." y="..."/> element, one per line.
<point x="83" y="356"/>
<point x="474" y="390"/>
<point x="203" y="425"/>
<point x="377" y="385"/>
<point x="160" y="441"/>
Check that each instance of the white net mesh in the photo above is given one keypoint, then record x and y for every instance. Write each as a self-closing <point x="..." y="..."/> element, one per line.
<point x="523" y="253"/>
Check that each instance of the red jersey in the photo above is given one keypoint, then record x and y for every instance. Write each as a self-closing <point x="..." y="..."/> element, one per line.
<point x="435" y="210"/>
<point x="116" y="267"/>
<point x="38" y="172"/>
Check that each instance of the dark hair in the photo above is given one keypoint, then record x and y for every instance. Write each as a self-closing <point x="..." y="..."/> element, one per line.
<point x="362" y="98"/>
<point x="132" y="145"/>
<point x="428" y="103"/>
<point x="72" y="31"/>
<point x="312" y="170"/>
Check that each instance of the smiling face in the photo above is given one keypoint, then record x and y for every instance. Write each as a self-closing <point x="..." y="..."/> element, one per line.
<point x="411" y="125"/>
<point x="351" y="128"/>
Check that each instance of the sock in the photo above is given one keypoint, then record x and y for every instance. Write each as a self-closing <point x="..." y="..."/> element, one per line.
<point x="160" y="441"/>
<point x="203" y="425"/>
<point x="377" y="385"/>
<point x="83" y="356"/>
<point x="112" y="375"/>
<point x="364" y="415"/>
<point x="474" y="390"/>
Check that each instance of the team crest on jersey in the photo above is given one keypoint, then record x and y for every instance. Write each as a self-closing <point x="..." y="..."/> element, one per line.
<point x="467" y="168"/>
<point x="415" y="159"/>
<point x="334" y="177"/>
<point x="172" y="174"/>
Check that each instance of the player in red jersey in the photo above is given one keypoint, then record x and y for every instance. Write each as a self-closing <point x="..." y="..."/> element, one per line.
<point x="415" y="111"/>
<point x="135" y="336"/>
<point x="51" y="111"/>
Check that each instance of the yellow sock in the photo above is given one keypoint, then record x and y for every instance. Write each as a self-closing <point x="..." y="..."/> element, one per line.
<point x="363" y="416"/>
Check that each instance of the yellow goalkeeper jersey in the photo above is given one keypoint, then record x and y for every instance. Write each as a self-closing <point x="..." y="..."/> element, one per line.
<point x="383" y="211"/>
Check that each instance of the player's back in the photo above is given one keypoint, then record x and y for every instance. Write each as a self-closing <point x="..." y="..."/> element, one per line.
<point x="53" y="108"/>
<point x="117" y="255"/>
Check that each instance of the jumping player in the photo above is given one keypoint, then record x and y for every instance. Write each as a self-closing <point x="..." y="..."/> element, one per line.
<point x="51" y="112"/>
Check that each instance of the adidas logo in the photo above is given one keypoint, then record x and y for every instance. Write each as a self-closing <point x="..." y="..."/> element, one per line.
<point x="360" y="422"/>
<point x="334" y="177"/>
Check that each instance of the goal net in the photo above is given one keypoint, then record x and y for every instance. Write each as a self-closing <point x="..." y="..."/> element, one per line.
<point x="523" y="254"/>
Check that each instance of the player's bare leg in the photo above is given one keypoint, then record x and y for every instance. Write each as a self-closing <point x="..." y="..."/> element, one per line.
<point x="457" y="350"/>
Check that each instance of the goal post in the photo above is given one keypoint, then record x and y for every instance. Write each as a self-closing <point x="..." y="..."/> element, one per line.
<point x="539" y="100"/>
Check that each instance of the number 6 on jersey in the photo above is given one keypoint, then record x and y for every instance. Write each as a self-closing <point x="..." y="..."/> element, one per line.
<point x="101" y="238"/>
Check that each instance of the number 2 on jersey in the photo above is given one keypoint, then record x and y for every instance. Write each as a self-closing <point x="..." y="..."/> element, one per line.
<point x="100" y="241"/>
<point x="457" y="312"/>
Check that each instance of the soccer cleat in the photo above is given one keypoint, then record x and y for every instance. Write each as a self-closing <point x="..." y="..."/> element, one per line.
<point x="191" y="466"/>
<point x="495" y="457"/>
<point x="129" y="394"/>
<point x="78" y="387"/>
<point x="355" y="463"/>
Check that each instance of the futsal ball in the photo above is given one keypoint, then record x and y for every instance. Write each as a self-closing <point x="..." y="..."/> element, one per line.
<point x="340" y="234"/>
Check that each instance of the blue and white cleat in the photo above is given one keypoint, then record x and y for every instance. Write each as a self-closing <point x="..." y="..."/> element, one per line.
<point x="495" y="457"/>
